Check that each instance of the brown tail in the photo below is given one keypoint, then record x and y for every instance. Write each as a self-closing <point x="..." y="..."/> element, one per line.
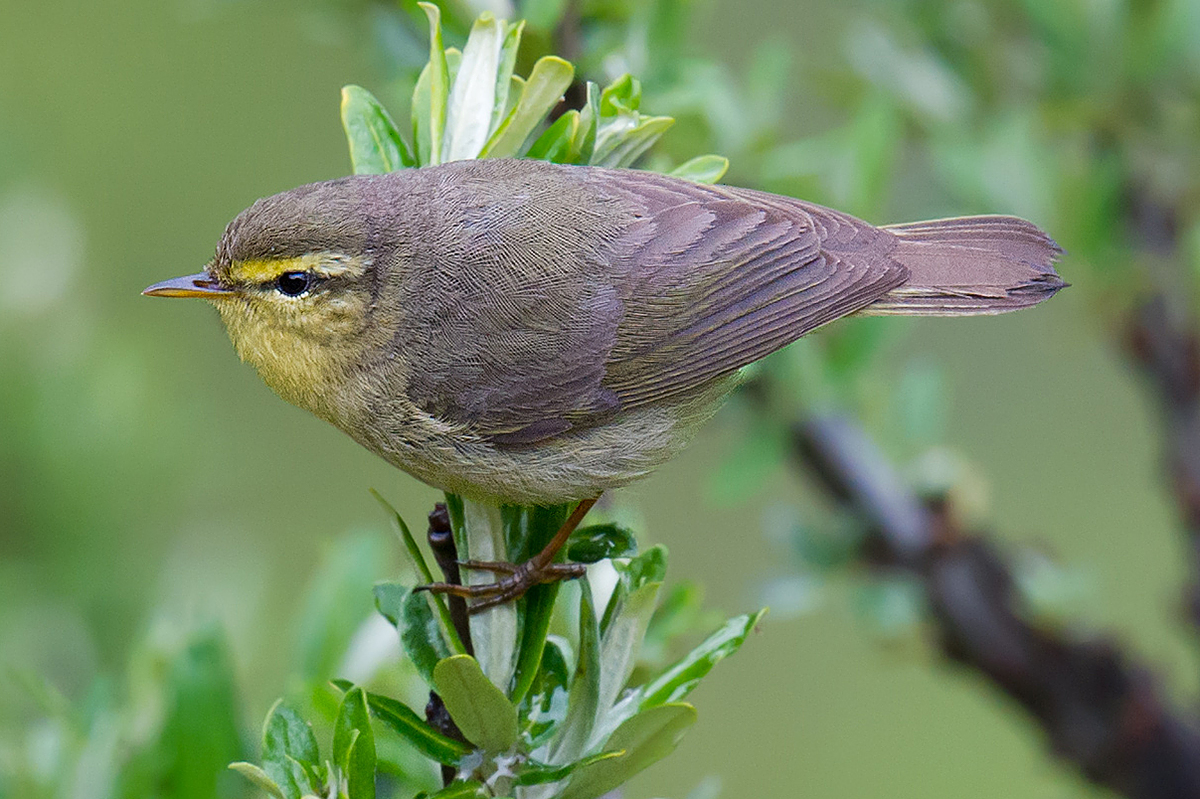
<point x="971" y="265"/>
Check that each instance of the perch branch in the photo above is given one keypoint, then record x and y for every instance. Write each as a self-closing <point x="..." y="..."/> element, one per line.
<point x="1100" y="711"/>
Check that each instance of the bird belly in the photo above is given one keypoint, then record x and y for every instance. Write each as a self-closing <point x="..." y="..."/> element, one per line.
<point x="576" y="465"/>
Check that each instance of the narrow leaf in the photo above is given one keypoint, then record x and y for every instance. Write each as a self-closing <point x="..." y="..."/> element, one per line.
<point x="360" y="768"/>
<point x="646" y="738"/>
<point x="584" y="698"/>
<point x="494" y="632"/>
<point x="421" y="635"/>
<point x="481" y="710"/>
<point x="412" y="728"/>
<point x="258" y="777"/>
<point x="354" y="745"/>
<point x="544" y="88"/>
<point x="702" y="169"/>
<point x="538" y="611"/>
<point x="418" y="628"/>
<point x="439" y="83"/>
<point x="288" y="742"/>
<point x="376" y="146"/>
<point x="677" y="681"/>
<point x="449" y="633"/>
<point x="555" y="142"/>
<point x="622" y="642"/>
<point x="622" y="96"/>
<point x="422" y="105"/>
<point x="623" y="142"/>
<point x="473" y="96"/>
<point x="584" y="144"/>
<point x="504" y="74"/>
<point x="534" y="773"/>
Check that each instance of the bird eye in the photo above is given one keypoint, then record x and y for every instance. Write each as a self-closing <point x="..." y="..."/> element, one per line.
<point x="293" y="284"/>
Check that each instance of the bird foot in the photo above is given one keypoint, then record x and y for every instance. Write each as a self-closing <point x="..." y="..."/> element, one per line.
<point x="516" y="581"/>
<point x="517" y="578"/>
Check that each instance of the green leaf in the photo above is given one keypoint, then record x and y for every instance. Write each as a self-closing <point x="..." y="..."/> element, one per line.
<point x="546" y="705"/>
<point x="583" y="701"/>
<point x="702" y="169"/>
<point x="422" y="110"/>
<point x="420" y="633"/>
<point x="354" y="745"/>
<point x="473" y="96"/>
<point x="406" y="536"/>
<point x="646" y="738"/>
<point x="623" y="135"/>
<point x="528" y="528"/>
<point x="555" y="142"/>
<point x="462" y="790"/>
<point x="505" y="82"/>
<point x="534" y="773"/>
<point x="599" y="541"/>
<point x="678" y="680"/>
<point x="448" y="631"/>
<point x="584" y="143"/>
<point x="288" y="746"/>
<point x="544" y="88"/>
<point x="258" y="777"/>
<point x="481" y="710"/>
<point x="622" y="142"/>
<point x="376" y="146"/>
<point x="412" y="728"/>
<point x="622" y="642"/>
<point x="438" y="83"/>
<point x="648" y="567"/>
<point x="622" y="96"/>
<point x="495" y="632"/>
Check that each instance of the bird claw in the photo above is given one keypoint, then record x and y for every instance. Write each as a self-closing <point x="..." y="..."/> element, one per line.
<point x="519" y="579"/>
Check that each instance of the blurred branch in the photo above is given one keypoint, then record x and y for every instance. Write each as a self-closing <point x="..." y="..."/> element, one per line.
<point x="1166" y="348"/>
<point x="1099" y="710"/>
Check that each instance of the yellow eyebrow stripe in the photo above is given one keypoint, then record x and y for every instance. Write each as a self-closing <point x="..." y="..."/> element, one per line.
<point x="266" y="270"/>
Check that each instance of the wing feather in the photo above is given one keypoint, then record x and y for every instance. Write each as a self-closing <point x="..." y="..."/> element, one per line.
<point x="551" y="297"/>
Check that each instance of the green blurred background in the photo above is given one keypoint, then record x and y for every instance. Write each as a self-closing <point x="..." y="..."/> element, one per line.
<point x="150" y="485"/>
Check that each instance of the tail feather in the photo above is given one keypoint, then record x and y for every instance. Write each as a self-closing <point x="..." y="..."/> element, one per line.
<point x="971" y="265"/>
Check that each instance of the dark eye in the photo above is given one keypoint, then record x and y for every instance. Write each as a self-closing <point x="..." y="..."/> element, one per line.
<point x="293" y="284"/>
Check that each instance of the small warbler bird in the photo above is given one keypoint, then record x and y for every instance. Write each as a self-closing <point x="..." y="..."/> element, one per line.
<point x="524" y="332"/>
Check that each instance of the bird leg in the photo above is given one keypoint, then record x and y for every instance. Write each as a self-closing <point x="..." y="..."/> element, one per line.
<point x="519" y="578"/>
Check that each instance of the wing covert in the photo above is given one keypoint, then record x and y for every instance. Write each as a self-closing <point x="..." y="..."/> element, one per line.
<point x="550" y="297"/>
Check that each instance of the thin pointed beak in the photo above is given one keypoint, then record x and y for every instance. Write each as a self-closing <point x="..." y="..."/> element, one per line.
<point x="198" y="285"/>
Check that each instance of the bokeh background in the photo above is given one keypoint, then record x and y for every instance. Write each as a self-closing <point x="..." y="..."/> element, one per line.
<point x="151" y="486"/>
